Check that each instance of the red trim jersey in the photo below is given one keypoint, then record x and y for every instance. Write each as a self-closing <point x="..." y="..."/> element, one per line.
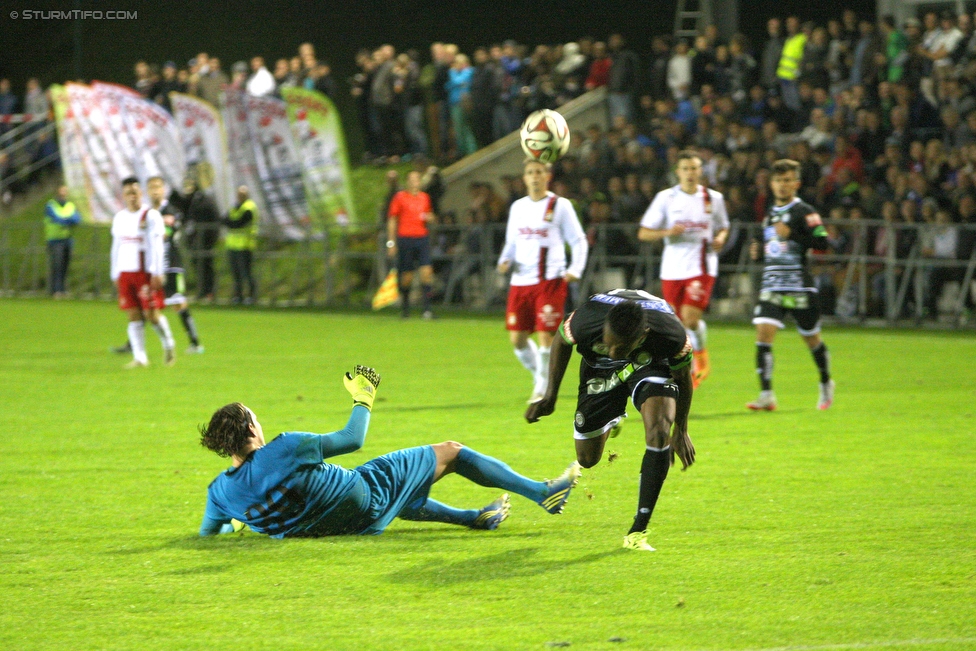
<point x="703" y="214"/>
<point x="137" y="242"/>
<point x="536" y="239"/>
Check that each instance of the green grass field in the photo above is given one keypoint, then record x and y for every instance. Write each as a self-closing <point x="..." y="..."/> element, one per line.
<point x="849" y="529"/>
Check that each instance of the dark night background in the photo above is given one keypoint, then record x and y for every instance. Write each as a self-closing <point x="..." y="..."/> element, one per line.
<point x="238" y="30"/>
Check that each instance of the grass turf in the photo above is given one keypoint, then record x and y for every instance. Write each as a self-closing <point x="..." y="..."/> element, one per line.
<point x="849" y="529"/>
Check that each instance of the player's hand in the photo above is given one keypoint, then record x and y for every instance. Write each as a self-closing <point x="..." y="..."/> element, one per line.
<point x="682" y="446"/>
<point x="782" y="230"/>
<point x="676" y="230"/>
<point x="539" y="409"/>
<point x="156" y="283"/>
<point x="503" y="267"/>
<point x="718" y="244"/>
<point x="362" y="385"/>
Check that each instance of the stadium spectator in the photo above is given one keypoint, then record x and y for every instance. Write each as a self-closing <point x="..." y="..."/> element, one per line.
<point x="169" y="83"/>
<point x="211" y="80"/>
<point x="623" y="84"/>
<point x="60" y="218"/>
<point x="772" y="51"/>
<point x="679" y="71"/>
<point x="459" y="100"/>
<point x="791" y="64"/>
<point x="939" y="241"/>
<point x="8" y="101"/>
<point x="261" y="82"/>
<point x="599" y="73"/>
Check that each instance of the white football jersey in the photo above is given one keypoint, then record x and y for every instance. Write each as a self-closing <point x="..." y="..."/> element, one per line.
<point x="138" y="246"/>
<point x="536" y="239"/>
<point x="703" y="215"/>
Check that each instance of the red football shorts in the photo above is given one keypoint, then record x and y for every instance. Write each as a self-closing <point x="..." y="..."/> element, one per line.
<point x="695" y="292"/>
<point x="536" y="308"/>
<point x="134" y="292"/>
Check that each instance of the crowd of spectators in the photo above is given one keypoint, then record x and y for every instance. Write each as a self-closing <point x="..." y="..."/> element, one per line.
<point x="34" y="108"/>
<point x="882" y="118"/>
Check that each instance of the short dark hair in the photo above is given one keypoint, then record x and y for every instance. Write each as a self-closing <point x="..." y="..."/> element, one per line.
<point x="529" y="159"/>
<point x="228" y="430"/>
<point x="784" y="166"/>
<point x="129" y="180"/>
<point x="685" y="154"/>
<point x="626" y="320"/>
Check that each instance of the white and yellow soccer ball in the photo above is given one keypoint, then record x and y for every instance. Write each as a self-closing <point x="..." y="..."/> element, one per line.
<point x="545" y="136"/>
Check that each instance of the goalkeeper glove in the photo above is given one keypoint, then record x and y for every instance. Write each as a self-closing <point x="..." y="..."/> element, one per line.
<point x="362" y="385"/>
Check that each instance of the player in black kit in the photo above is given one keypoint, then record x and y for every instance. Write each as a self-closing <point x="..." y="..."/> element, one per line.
<point x="791" y="228"/>
<point x="633" y="346"/>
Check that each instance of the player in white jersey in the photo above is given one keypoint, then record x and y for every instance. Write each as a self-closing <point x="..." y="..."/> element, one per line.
<point x="540" y="226"/>
<point x="138" y="267"/>
<point x="694" y="223"/>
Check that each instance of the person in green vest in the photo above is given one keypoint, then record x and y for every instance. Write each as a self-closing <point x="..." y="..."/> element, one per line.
<point x="241" y="241"/>
<point x="790" y="62"/>
<point x="60" y="218"/>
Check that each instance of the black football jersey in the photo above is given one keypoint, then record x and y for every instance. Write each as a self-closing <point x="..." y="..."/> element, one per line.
<point x="666" y="342"/>
<point x="785" y="261"/>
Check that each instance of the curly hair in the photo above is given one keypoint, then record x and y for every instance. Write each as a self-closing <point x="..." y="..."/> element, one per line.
<point x="228" y="431"/>
<point x="626" y="320"/>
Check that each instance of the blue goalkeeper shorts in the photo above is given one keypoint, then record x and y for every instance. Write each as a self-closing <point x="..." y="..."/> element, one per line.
<point x="396" y="480"/>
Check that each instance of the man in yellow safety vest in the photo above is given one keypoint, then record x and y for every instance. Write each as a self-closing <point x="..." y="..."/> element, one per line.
<point x="241" y="241"/>
<point x="60" y="218"/>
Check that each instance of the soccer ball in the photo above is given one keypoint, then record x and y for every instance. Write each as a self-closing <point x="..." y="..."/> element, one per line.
<point x="545" y="136"/>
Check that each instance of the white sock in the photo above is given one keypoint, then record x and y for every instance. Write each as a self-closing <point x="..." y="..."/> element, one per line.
<point x="137" y="337"/>
<point x="165" y="334"/>
<point x="693" y="336"/>
<point x="702" y="332"/>
<point x="529" y="356"/>
<point x="542" y="372"/>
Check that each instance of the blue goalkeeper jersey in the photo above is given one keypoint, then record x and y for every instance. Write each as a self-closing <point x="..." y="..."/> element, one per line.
<point x="286" y="489"/>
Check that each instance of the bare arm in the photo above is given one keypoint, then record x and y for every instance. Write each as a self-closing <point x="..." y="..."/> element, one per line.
<point x="681" y="444"/>
<point x="655" y="234"/>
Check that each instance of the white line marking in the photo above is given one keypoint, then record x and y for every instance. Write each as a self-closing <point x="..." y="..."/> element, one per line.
<point x="869" y="645"/>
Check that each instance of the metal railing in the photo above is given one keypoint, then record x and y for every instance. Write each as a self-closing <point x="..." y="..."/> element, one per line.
<point x="344" y="267"/>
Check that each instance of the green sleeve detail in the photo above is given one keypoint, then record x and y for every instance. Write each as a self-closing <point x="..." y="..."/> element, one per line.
<point x="562" y="332"/>
<point x="681" y="363"/>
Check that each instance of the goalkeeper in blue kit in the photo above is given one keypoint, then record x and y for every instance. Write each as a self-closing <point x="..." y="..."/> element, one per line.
<point x="286" y="489"/>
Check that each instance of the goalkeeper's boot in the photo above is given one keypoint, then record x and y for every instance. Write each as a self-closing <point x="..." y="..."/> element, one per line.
<point x="826" y="395"/>
<point x="362" y="385"/>
<point x="559" y="489"/>
<point x="765" y="402"/>
<point x="492" y="515"/>
<point x="702" y="368"/>
<point x="637" y="540"/>
<point x="169" y="356"/>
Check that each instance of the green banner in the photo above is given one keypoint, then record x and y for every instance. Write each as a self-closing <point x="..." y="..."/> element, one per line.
<point x="318" y="136"/>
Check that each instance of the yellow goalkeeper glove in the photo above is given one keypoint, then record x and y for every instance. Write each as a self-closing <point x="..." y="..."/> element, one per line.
<point x="362" y="385"/>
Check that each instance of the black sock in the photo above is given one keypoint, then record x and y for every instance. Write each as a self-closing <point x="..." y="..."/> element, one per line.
<point x="428" y="292"/>
<point x="654" y="470"/>
<point x="822" y="357"/>
<point x="190" y="326"/>
<point x="764" y="365"/>
<point x="405" y="299"/>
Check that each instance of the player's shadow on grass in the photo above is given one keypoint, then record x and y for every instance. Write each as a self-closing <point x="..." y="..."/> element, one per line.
<point x="506" y="565"/>
<point x="744" y="412"/>
<point x="452" y="407"/>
